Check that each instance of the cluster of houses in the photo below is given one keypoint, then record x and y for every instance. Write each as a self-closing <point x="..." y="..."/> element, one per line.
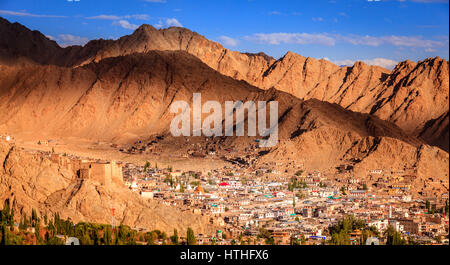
<point x="243" y="202"/>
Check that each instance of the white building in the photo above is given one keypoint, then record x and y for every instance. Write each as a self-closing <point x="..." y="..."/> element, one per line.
<point x="381" y="225"/>
<point x="147" y="194"/>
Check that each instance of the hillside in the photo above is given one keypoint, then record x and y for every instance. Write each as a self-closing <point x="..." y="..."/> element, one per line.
<point x="33" y="180"/>
<point x="411" y="96"/>
<point x="124" y="99"/>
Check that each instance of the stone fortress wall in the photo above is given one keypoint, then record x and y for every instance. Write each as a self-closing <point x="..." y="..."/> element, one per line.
<point x="104" y="172"/>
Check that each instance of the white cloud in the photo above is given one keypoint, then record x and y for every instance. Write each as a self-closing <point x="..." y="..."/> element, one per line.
<point x="346" y="62"/>
<point x="167" y="23"/>
<point x="156" y="1"/>
<point x="383" y="62"/>
<point x="331" y="39"/>
<point x="291" y="38"/>
<point x="25" y="14"/>
<point x="125" y="24"/>
<point x="318" y="19"/>
<point x="227" y="41"/>
<point x="138" y="16"/>
<point x="69" y="40"/>
<point x="405" y="41"/>
<point x="276" y="13"/>
<point x="114" y="17"/>
<point x="106" y="17"/>
<point x="173" y="22"/>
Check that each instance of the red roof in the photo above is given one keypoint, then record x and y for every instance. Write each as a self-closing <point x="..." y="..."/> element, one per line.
<point x="224" y="184"/>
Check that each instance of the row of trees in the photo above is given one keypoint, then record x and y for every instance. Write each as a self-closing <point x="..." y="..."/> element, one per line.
<point x="340" y="233"/>
<point x="294" y="184"/>
<point x="56" y="228"/>
<point x="431" y="209"/>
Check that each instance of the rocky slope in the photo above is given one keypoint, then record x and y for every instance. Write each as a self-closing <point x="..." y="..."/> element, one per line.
<point x="435" y="131"/>
<point x="411" y="96"/>
<point x="131" y="95"/>
<point x="120" y="91"/>
<point x="33" y="180"/>
<point x="123" y="99"/>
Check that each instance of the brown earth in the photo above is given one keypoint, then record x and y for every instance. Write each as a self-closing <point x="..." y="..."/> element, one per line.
<point x="32" y="180"/>
<point x="411" y="96"/>
<point x="120" y="92"/>
<point x="124" y="99"/>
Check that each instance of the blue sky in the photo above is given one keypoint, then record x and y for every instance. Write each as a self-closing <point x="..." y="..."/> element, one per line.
<point x="380" y="32"/>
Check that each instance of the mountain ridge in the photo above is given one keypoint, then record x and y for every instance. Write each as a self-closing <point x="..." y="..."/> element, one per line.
<point x="411" y="95"/>
<point x="126" y="99"/>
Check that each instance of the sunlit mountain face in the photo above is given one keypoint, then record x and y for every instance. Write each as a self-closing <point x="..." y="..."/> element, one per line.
<point x="168" y="122"/>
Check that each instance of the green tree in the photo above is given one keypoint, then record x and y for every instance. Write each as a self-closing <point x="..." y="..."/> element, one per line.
<point x="270" y="241"/>
<point x="47" y="238"/>
<point x="182" y="188"/>
<point x="107" y="235"/>
<point x="96" y="236"/>
<point x="150" y="238"/>
<point x="190" y="237"/>
<point x="340" y="231"/>
<point x="4" y="239"/>
<point x="174" y="237"/>
<point x="85" y="239"/>
<point x="25" y="222"/>
<point x="304" y="185"/>
<point x="37" y="233"/>
<point x="393" y="237"/>
<point x="438" y="239"/>
<point x="294" y="241"/>
<point x="303" y="240"/>
<point x="163" y="237"/>
<point x="5" y="212"/>
<point x="11" y="219"/>
<point x="146" y="166"/>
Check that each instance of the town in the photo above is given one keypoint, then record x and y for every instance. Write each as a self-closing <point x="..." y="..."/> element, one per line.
<point x="264" y="205"/>
<point x="299" y="208"/>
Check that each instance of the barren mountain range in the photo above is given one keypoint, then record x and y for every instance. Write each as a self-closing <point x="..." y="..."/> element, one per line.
<point x="120" y="91"/>
<point x="412" y="96"/>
